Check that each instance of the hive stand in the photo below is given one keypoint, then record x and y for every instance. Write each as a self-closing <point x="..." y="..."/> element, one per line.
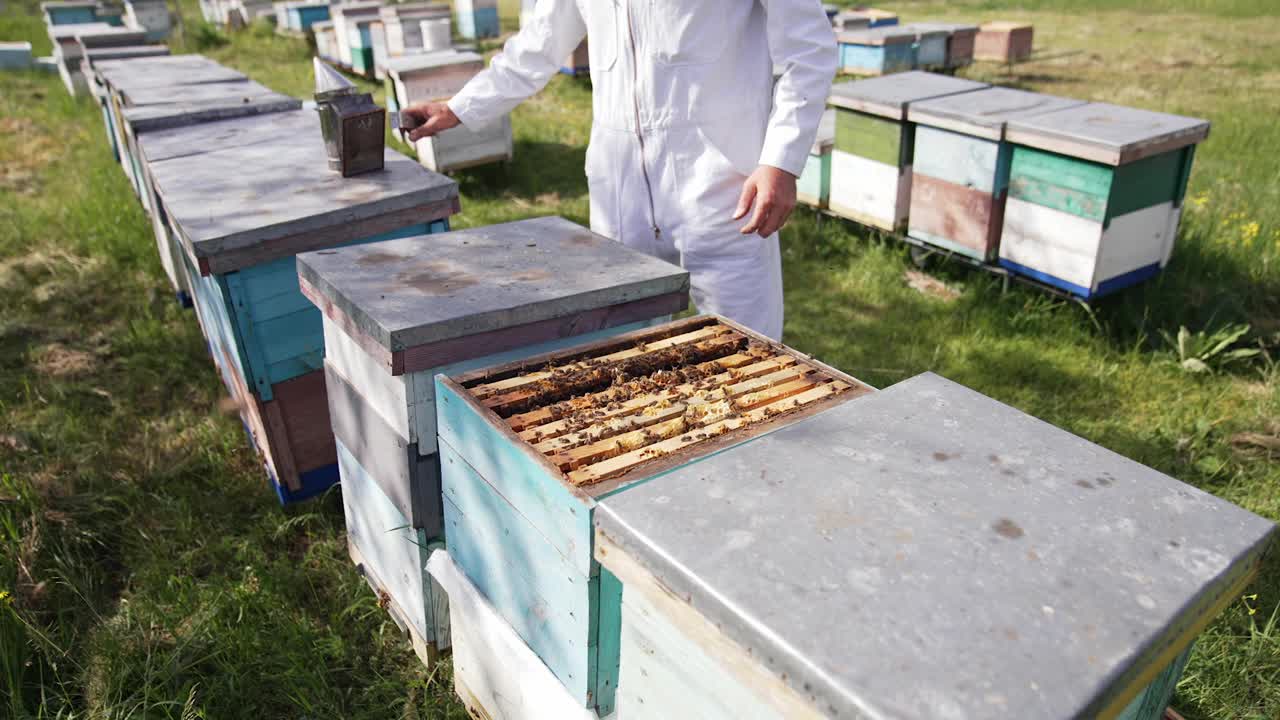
<point x="523" y="467"/>
<point x="960" y="167"/>
<point x="1095" y="195"/>
<point x="871" y="161"/>
<point x="923" y="552"/>
<point x="240" y="230"/>
<point x="398" y="312"/>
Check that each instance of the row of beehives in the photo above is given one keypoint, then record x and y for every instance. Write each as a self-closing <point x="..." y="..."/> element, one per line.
<point x="79" y="29"/>
<point x="676" y="519"/>
<point x="1083" y="196"/>
<point x="871" y="42"/>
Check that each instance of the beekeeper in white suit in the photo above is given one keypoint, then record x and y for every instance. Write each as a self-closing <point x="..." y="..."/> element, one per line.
<point x="691" y="134"/>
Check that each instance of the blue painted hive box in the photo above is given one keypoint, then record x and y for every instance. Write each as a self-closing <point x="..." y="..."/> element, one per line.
<point x="304" y="15"/>
<point x="69" y="13"/>
<point x="960" y="170"/>
<point x="528" y="449"/>
<point x="871" y="161"/>
<point x="240" y="215"/>
<point x="477" y="18"/>
<point x="925" y="552"/>
<point x="1095" y="195"/>
<point x="397" y="313"/>
<point x="931" y="44"/>
<point x="814" y="186"/>
<point x="877" y="51"/>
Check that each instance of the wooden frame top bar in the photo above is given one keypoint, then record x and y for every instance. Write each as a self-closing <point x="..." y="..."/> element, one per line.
<point x="890" y="95"/>
<point x="926" y="549"/>
<point x="429" y="289"/>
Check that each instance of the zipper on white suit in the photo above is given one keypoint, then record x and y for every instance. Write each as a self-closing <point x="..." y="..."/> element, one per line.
<point x="635" y="106"/>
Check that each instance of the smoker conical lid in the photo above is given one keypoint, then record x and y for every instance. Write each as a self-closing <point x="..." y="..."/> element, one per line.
<point x="330" y="82"/>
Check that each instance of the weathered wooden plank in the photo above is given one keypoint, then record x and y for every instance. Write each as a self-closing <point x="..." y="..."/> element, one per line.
<point x="1067" y="184"/>
<point x="963" y="160"/>
<point x="984" y="113"/>
<point x="1005" y="42"/>
<point x="924" y="473"/>
<point x="955" y="217"/>
<point x="1054" y="242"/>
<point x="868" y="136"/>
<point x="868" y="191"/>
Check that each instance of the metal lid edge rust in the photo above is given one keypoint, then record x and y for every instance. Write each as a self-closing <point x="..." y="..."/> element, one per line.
<point x="351" y="123"/>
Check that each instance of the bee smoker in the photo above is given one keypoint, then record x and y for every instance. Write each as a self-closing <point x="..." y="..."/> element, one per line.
<point x="353" y="126"/>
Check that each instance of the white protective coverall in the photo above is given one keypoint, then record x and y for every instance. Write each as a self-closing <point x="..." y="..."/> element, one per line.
<point x="684" y="108"/>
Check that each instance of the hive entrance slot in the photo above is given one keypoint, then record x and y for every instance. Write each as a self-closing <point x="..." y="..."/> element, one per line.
<point x="599" y="416"/>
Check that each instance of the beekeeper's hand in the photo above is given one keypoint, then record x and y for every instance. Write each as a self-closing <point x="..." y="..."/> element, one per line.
<point x="772" y="192"/>
<point x="431" y="118"/>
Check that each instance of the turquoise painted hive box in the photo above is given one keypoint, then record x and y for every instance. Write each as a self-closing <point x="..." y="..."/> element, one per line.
<point x="960" y="166"/>
<point x="1095" y="195"/>
<point x="528" y="450"/>
<point x="360" y="39"/>
<point x="923" y="552"/>
<point x="476" y="18"/>
<point x="241" y="214"/>
<point x="877" y="51"/>
<point x="399" y="312"/>
<point x="814" y="186"/>
<point x="69" y="13"/>
<point x="871" y="161"/>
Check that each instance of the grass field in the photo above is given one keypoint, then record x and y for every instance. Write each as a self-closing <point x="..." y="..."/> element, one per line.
<point x="146" y="570"/>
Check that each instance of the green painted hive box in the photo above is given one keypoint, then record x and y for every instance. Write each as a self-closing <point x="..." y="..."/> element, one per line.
<point x="960" y="166"/>
<point x="1095" y="195"/>
<point x="871" y="160"/>
<point x="924" y="552"/>
<point x="240" y="214"/>
<point x="528" y="449"/>
<point x="399" y="312"/>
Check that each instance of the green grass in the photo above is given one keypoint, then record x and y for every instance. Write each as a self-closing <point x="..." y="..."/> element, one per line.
<point x="148" y="572"/>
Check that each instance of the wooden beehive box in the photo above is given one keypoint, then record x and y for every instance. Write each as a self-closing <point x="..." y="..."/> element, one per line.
<point x="69" y="13"/>
<point x="360" y="33"/>
<point x="871" y="161"/>
<point x="151" y="15"/>
<point x="1005" y="42"/>
<point x="344" y="17"/>
<point x="477" y="18"/>
<point x="398" y="312"/>
<point x="528" y="449"/>
<point x="876" y="51"/>
<point x="931" y="44"/>
<point x="960" y="42"/>
<point x="326" y="41"/>
<point x="960" y="166"/>
<point x="814" y="186"/>
<point x="953" y="557"/>
<point x="403" y="25"/>
<point x="1095" y="195"/>
<point x="240" y="230"/>
<point x="438" y="75"/>
<point x="15" y="55"/>
<point x="66" y="53"/>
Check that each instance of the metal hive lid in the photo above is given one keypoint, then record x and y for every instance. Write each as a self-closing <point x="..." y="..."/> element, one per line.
<point x="890" y="95"/>
<point x="985" y="113"/>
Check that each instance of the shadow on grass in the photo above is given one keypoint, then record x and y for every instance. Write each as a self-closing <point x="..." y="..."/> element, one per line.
<point x="538" y="169"/>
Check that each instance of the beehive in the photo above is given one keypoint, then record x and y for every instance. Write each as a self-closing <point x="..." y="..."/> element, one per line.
<point x="578" y="62"/>
<point x="931" y="44"/>
<point x="1095" y="195"/>
<point x="437" y="34"/>
<point x="950" y="557"/>
<point x="361" y="29"/>
<point x="960" y="42"/>
<point x="871" y="161"/>
<point x="15" y="55"/>
<point x="396" y="313"/>
<point x="403" y="25"/>
<point x="960" y="166"/>
<point x="151" y="15"/>
<point x="814" y="186"/>
<point x="299" y="18"/>
<point x="326" y="41"/>
<point x="240" y="215"/>
<point x="877" y="51"/>
<point x="477" y="18"/>
<point x="439" y="75"/>
<point x="69" y="13"/>
<point x="1005" y="42"/>
<point x="846" y="20"/>
<point x="528" y="449"/>
<point x="344" y="25"/>
<point x="66" y="52"/>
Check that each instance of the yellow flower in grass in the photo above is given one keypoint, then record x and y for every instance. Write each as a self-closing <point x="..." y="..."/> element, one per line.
<point x="5" y="596"/>
<point x="1249" y="232"/>
<point x="1200" y="200"/>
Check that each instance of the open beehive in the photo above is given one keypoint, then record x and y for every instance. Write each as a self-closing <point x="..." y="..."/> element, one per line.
<point x="604" y="414"/>
<point x="528" y="448"/>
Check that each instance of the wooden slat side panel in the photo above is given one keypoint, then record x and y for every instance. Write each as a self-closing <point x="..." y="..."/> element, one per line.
<point x="866" y="191"/>
<point x="610" y="642"/>
<point x="1150" y="181"/>
<point x="526" y="482"/>
<point x="868" y="136"/>
<point x="304" y="407"/>
<point x="963" y="218"/>
<point x="387" y="394"/>
<point x="1071" y="185"/>
<point x="1135" y="240"/>
<point x="1051" y="241"/>
<point x="959" y="159"/>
